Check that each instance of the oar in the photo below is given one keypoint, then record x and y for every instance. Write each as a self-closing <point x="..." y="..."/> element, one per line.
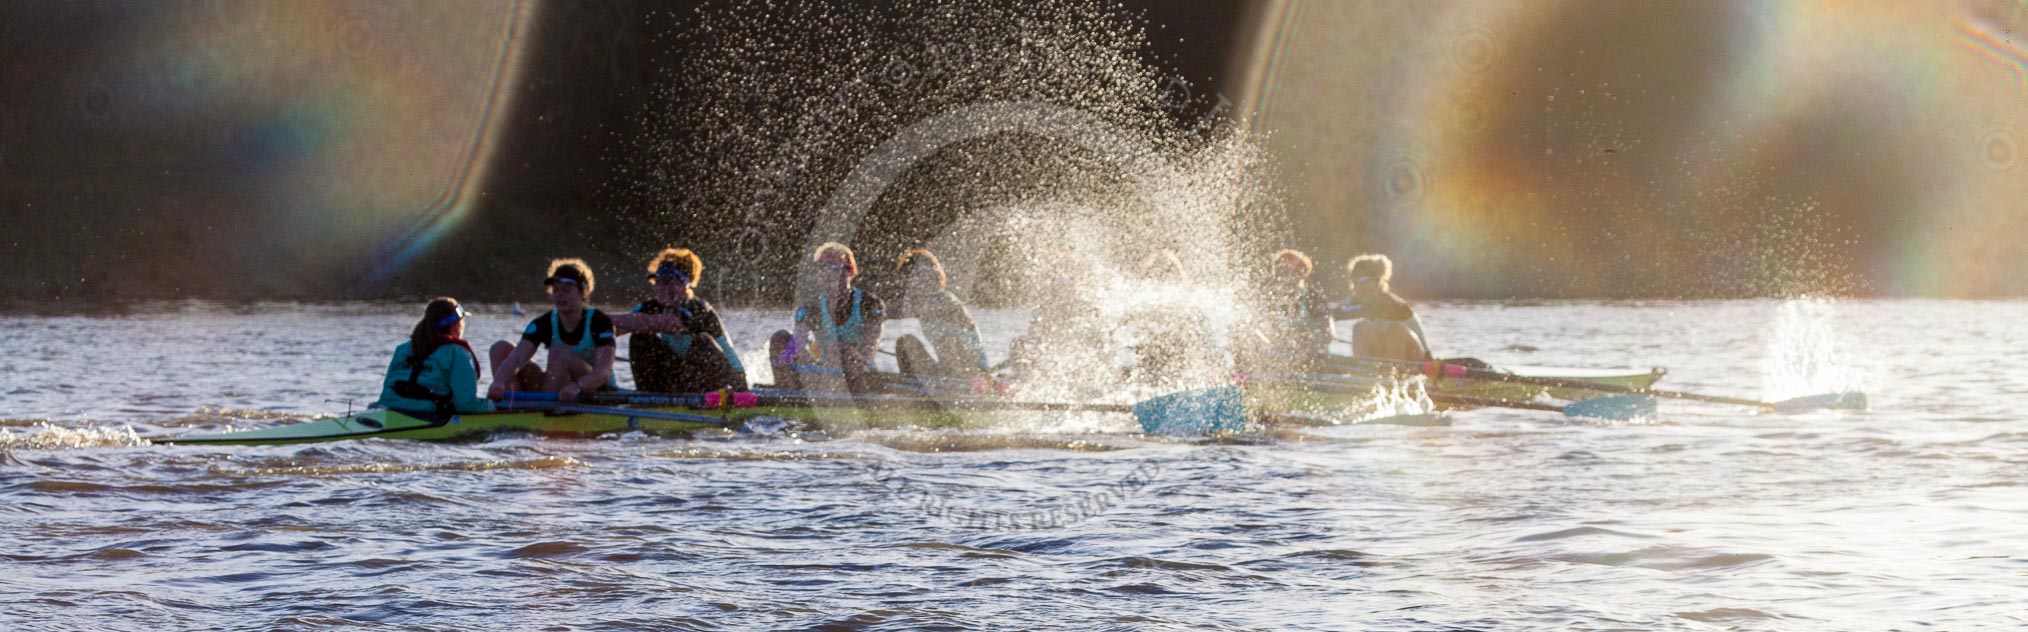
<point x="714" y="399"/>
<point x="769" y="397"/>
<point x="643" y="414"/>
<point x="1191" y="412"/>
<point x="549" y="403"/>
<point x="1850" y="400"/>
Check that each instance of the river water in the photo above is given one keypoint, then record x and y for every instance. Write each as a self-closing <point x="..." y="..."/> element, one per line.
<point x="1908" y="516"/>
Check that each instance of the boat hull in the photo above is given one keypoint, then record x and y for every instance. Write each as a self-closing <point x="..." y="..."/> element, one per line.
<point x="1355" y="391"/>
<point x="388" y="424"/>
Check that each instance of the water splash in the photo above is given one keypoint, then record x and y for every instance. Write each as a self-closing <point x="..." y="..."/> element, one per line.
<point x="1802" y="353"/>
<point x="1398" y="397"/>
<point x="1020" y="142"/>
<point x="48" y="436"/>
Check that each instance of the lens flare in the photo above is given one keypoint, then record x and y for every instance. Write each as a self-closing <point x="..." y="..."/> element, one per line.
<point x="1632" y="149"/>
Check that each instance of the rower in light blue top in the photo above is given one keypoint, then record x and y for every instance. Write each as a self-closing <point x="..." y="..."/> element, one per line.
<point x="948" y="330"/>
<point x="435" y="373"/>
<point x="839" y="332"/>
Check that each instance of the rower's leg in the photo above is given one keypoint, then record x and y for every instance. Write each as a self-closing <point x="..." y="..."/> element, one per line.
<point x="653" y="363"/>
<point x="501" y="349"/>
<point x="564" y="366"/>
<point x="1369" y="340"/>
<point x="785" y="372"/>
<point x="1386" y="340"/>
<point x="914" y="357"/>
<point x="528" y="378"/>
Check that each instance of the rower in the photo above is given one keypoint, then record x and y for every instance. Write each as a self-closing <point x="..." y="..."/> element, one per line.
<point x="1169" y="326"/>
<point x="1293" y="326"/>
<point x="947" y="326"/>
<point x="580" y="339"/>
<point x="434" y="374"/>
<point x="1388" y="328"/>
<point x="678" y="344"/>
<point x="839" y="331"/>
<point x="1068" y="340"/>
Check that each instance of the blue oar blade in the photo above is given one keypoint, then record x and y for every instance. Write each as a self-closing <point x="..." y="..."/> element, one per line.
<point x="1193" y="413"/>
<point x="1849" y="400"/>
<point x="1614" y="407"/>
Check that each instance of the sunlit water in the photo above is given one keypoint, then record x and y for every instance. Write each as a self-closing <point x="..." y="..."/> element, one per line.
<point x="1909" y="516"/>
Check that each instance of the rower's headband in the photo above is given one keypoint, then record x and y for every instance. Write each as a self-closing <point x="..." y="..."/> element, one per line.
<point x="669" y="270"/>
<point x="451" y="318"/>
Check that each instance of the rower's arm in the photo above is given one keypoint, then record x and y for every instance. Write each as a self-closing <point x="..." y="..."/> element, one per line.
<point x="732" y="359"/>
<point x="624" y="324"/>
<point x="870" y="341"/>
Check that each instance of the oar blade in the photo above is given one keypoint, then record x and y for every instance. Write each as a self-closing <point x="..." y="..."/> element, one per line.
<point x="1613" y="407"/>
<point x="1193" y="412"/>
<point x="1849" y="400"/>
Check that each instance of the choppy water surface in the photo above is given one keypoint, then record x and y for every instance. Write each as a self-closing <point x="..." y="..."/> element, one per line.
<point x="1909" y="516"/>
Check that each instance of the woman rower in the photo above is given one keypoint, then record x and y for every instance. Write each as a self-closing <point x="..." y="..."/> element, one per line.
<point x="435" y="373"/>
<point x="1170" y="327"/>
<point x="580" y="339"/>
<point x="840" y="330"/>
<point x="1068" y="341"/>
<point x="947" y="327"/>
<point x="1293" y="328"/>
<point x="678" y="343"/>
<point x="1387" y="327"/>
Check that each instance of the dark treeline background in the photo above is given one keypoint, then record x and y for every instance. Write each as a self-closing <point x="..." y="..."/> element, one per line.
<point x="113" y="192"/>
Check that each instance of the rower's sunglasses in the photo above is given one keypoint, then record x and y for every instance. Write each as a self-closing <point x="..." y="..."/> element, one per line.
<point x="834" y="267"/>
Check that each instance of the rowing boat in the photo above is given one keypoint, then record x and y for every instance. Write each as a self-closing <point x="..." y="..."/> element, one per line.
<point x="1358" y="390"/>
<point x="1325" y="395"/>
<point x="657" y="420"/>
<point x="1366" y="377"/>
